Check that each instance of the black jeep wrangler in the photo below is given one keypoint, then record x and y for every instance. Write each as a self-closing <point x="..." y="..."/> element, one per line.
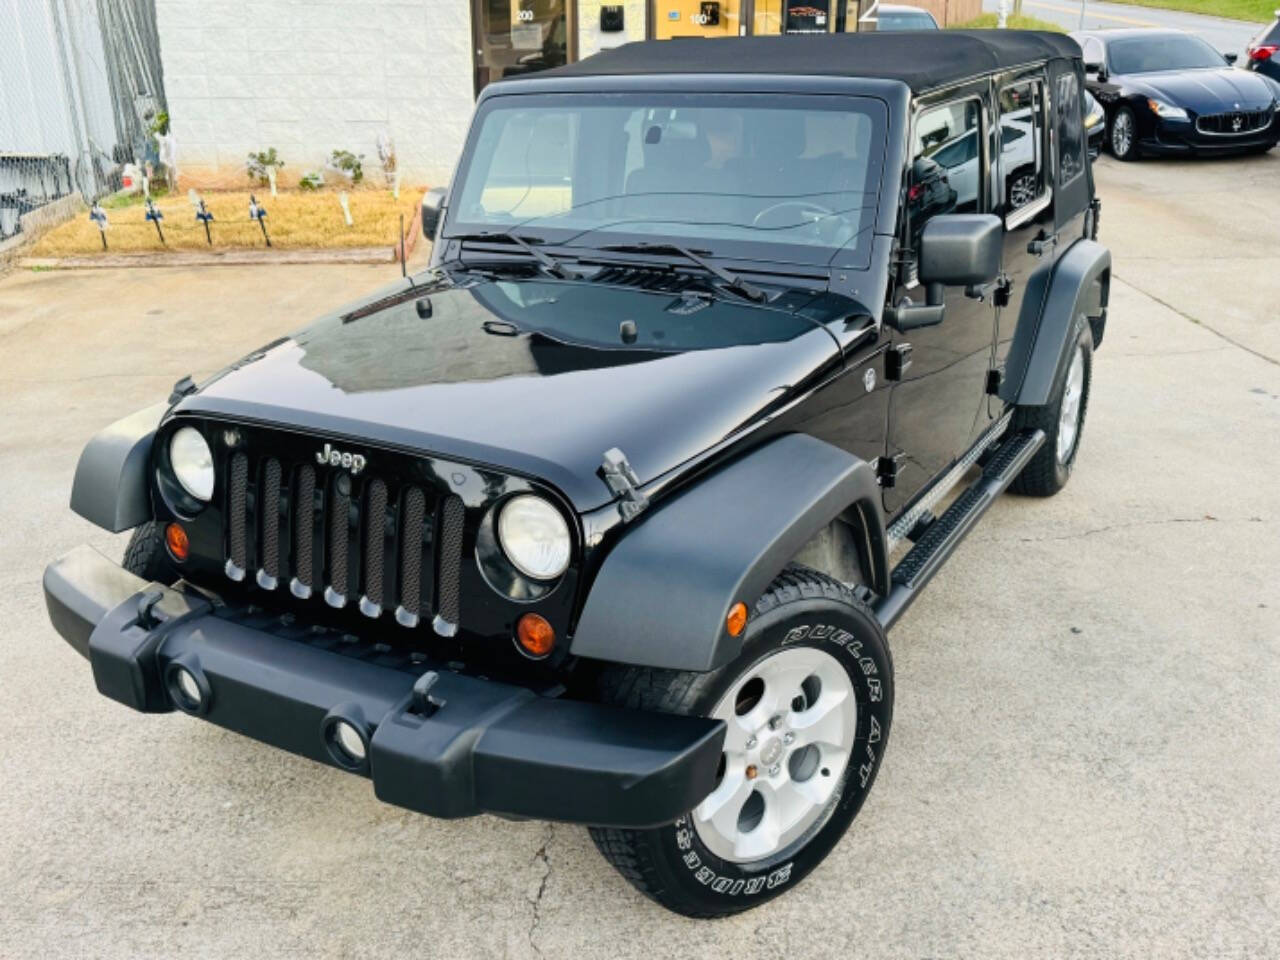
<point x="603" y="517"/>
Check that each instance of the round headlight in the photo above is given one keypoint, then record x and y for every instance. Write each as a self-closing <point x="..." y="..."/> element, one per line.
<point x="534" y="537"/>
<point x="192" y="463"/>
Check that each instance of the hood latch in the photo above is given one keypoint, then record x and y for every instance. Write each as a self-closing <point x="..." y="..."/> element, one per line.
<point x="622" y="480"/>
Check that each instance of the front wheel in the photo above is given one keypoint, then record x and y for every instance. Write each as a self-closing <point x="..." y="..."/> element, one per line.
<point x="147" y="557"/>
<point x="807" y="707"/>
<point x="1124" y="135"/>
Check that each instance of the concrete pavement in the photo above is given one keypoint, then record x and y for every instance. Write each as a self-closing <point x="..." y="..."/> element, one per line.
<point x="1084" y="760"/>
<point x="1229" y="36"/>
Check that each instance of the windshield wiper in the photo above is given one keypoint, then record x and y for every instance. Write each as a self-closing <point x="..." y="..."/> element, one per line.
<point x="545" y="260"/>
<point x="731" y="280"/>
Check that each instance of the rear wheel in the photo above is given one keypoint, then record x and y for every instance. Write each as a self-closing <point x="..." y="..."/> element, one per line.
<point x="807" y="708"/>
<point x="1124" y="135"/>
<point x="1061" y="419"/>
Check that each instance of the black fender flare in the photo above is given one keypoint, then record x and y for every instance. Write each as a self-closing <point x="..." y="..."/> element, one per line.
<point x="1077" y="283"/>
<point x="111" y="487"/>
<point x="662" y="595"/>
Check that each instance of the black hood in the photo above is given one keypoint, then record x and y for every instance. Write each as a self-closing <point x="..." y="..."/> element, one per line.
<point x="1206" y="91"/>
<point x="533" y="376"/>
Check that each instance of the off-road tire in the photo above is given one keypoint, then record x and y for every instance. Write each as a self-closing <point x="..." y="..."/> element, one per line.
<point x="147" y="557"/>
<point x="670" y="864"/>
<point x="1045" y="474"/>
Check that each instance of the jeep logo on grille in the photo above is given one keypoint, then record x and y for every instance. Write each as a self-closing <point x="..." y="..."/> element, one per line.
<point x="336" y="458"/>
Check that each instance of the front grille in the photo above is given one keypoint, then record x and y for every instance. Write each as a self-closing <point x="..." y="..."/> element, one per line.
<point x="366" y="540"/>
<point x="1231" y="124"/>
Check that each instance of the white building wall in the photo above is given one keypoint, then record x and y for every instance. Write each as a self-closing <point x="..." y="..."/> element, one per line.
<point x="591" y="39"/>
<point x="311" y="77"/>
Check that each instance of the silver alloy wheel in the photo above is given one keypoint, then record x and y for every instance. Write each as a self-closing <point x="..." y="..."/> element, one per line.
<point x="791" y="721"/>
<point x="1022" y="191"/>
<point x="1122" y="134"/>
<point x="1069" y="415"/>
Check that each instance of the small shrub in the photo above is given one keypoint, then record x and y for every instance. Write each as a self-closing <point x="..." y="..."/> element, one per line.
<point x="348" y="164"/>
<point x="311" y="180"/>
<point x="259" y="163"/>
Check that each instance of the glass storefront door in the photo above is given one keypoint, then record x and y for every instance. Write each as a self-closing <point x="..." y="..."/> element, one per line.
<point x="519" y="36"/>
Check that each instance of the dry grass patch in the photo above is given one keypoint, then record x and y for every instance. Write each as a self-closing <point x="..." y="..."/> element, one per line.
<point x="296" y="220"/>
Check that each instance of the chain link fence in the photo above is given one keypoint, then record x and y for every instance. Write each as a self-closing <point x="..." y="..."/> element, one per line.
<point x="81" y="94"/>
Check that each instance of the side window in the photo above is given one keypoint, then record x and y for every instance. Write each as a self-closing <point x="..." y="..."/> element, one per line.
<point x="1022" y="162"/>
<point x="1069" y="117"/>
<point x="946" y="164"/>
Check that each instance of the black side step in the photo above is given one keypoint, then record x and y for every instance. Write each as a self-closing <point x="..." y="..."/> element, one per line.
<point x="933" y="548"/>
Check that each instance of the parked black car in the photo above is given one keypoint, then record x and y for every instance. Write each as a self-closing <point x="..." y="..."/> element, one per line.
<point x="1263" y="52"/>
<point x="1095" y="124"/>
<point x="592" y="520"/>
<point x="1166" y="91"/>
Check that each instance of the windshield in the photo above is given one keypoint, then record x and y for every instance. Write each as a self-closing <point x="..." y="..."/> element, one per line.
<point x="1166" y="51"/>
<point x="905" y="21"/>
<point x="774" y="178"/>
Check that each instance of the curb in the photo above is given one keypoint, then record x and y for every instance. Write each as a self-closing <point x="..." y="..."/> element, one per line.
<point x="229" y="258"/>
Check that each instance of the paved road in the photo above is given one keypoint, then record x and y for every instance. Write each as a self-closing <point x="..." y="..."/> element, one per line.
<point x="1229" y="36"/>
<point x="1084" y="760"/>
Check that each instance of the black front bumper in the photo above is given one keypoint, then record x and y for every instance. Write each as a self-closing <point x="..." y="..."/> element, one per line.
<point x="438" y="742"/>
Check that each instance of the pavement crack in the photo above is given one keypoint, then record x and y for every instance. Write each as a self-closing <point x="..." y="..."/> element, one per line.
<point x="540" y="857"/>
<point x="1111" y="527"/>
<point x="1197" y="321"/>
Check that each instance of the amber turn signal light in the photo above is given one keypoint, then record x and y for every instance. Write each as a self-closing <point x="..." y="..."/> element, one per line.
<point x="175" y="538"/>
<point x="535" y="635"/>
<point x="736" y="621"/>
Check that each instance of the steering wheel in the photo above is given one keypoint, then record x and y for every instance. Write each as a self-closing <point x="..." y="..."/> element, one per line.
<point x="821" y="217"/>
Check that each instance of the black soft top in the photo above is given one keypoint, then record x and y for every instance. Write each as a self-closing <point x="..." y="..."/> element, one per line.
<point x="924" y="60"/>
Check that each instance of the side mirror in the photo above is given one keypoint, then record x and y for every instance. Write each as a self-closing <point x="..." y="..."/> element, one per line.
<point x="961" y="250"/>
<point x="956" y="250"/>
<point x="433" y="202"/>
<point x="1231" y="58"/>
<point x="1095" y="70"/>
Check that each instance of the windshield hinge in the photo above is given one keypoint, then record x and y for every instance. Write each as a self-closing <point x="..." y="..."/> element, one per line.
<point x="622" y="480"/>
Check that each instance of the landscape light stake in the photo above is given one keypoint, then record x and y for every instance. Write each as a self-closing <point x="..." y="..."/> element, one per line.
<point x="260" y="214"/>
<point x="204" y="216"/>
<point x="155" y="216"/>
<point x="99" y="216"/>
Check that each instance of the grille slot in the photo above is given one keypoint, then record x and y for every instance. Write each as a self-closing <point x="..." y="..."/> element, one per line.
<point x="269" y="508"/>
<point x="375" y="529"/>
<point x="339" y="527"/>
<point x="450" y="554"/>
<point x="304" y="524"/>
<point x="341" y="536"/>
<point x="237" y="517"/>
<point x="414" y="513"/>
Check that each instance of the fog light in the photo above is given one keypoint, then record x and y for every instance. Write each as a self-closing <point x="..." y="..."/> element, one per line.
<point x="175" y="538"/>
<point x="535" y="635"/>
<point x="189" y="694"/>
<point x="348" y="740"/>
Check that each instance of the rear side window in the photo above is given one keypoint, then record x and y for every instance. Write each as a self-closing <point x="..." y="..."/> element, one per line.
<point x="1022" y="164"/>
<point x="1069" y="116"/>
